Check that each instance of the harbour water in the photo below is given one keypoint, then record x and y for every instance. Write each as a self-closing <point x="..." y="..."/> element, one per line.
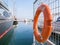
<point x="22" y="34"/>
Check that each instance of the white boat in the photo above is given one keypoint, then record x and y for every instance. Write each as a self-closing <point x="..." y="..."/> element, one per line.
<point x="6" y="22"/>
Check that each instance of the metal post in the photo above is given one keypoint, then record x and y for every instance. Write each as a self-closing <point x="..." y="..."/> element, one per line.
<point x="33" y="40"/>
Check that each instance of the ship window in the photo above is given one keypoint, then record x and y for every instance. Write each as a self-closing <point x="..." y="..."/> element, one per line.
<point x="0" y="13"/>
<point x="6" y="14"/>
<point x="1" y="10"/>
<point x="58" y="19"/>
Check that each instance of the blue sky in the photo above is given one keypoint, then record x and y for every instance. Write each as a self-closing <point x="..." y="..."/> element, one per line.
<point x="24" y="8"/>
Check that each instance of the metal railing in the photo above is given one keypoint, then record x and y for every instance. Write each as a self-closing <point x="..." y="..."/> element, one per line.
<point x="55" y="8"/>
<point x="3" y="4"/>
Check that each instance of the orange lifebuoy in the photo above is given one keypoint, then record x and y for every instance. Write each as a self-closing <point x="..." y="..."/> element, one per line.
<point x="47" y="28"/>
